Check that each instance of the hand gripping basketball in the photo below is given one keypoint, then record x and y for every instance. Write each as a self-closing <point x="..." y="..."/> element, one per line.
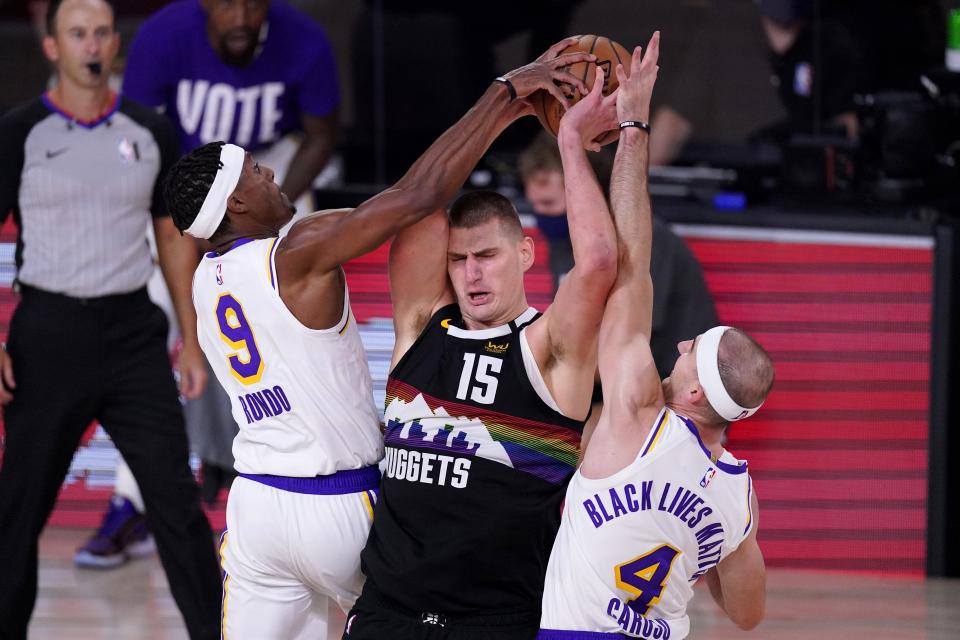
<point x="607" y="54"/>
<point x="593" y="119"/>
<point x="547" y="70"/>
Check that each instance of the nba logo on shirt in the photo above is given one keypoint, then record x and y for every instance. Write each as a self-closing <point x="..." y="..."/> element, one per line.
<point x="219" y="273"/>
<point x="803" y="79"/>
<point x="707" y="477"/>
<point x="128" y="150"/>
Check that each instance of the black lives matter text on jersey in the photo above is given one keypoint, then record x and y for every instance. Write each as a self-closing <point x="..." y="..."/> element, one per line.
<point x="426" y="467"/>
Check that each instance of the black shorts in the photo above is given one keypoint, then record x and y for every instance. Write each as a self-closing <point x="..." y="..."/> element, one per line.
<point x="376" y="617"/>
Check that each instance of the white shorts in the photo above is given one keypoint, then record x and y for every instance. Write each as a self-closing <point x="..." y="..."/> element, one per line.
<point x="291" y="548"/>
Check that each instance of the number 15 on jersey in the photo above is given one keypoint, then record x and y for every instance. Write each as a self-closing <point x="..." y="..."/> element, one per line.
<point x="477" y="378"/>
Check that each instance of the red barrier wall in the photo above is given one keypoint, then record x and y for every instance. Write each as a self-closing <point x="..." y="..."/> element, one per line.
<point x="839" y="452"/>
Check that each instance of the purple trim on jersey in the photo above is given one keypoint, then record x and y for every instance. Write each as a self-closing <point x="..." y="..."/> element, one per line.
<point x="273" y="277"/>
<point x="749" y="507"/>
<point x="225" y="580"/>
<point x="656" y="432"/>
<point x="340" y="483"/>
<point x="86" y="124"/>
<point x="723" y="466"/>
<point x="236" y="243"/>
<point x="556" y="634"/>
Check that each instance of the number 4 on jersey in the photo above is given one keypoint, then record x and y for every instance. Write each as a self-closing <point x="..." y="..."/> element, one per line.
<point x="646" y="577"/>
<point x="483" y="387"/>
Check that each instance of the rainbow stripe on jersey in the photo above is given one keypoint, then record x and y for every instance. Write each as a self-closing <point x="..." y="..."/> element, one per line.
<point x="544" y="450"/>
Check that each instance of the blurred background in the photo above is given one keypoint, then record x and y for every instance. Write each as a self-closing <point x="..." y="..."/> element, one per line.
<point x="808" y="154"/>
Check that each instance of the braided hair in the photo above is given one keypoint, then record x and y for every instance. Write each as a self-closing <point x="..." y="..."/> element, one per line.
<point x="188" y="183"/>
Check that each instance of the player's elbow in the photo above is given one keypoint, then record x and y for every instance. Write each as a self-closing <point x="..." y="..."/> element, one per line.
<point x="749" y="623"/>
<point x="599" y="263"/>
<point x="413" y="205"/>
<point x="427" y="186"/>
<point x="749" y="618"/>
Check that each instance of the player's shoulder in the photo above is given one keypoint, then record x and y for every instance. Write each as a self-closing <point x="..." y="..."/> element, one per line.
<point x="445" y="317"/>
<point x="148" y="117"/>
<point x="726" y="465"/>
<point x="24" y="116"/>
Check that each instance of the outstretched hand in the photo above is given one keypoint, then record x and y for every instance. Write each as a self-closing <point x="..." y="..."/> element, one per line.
<point x="636" y="88"/>
<point x="547" y="70"/>
<point x="592" y="117"/>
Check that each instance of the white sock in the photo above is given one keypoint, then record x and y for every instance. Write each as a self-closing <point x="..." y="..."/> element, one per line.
<point x="126" y="486"/>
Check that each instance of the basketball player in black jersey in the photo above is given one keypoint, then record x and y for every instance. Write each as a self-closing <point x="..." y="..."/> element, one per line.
<point x="485" y="407"/>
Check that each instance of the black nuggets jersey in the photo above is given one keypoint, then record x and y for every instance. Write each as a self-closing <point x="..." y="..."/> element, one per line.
<point x="477" y="463"/>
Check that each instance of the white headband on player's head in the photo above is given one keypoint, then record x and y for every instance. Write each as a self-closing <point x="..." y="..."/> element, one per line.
<point x="708" y="373"/>
<point x="215" y="204"/>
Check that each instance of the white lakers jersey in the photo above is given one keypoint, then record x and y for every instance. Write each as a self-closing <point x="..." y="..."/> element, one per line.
<point x="631" y="546"/>
<point x="302" y="397"/>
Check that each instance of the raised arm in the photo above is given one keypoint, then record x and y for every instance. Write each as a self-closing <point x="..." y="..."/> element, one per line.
<point x="631" y="385"/>
<point x="320" y="245"/>
<point x="564" y="341"/>
<point x="418" y="273"/>
<point x="418" y="279"/>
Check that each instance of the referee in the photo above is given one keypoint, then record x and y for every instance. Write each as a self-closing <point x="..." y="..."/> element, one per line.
<point x="81" y="170"/>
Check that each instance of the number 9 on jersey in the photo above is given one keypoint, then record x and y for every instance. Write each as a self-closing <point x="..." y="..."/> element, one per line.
<point x="246" y="365"/>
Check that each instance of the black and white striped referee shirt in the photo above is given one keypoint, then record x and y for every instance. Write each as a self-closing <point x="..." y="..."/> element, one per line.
<point x="82" y="194"/>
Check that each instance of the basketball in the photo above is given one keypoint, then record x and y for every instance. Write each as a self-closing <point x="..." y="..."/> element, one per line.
<point x="609" y="55"/>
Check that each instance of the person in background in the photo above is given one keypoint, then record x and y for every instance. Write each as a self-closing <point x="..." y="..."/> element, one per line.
<point x="854" y="39"/>
<point x="82" y="177"/>
<point x="683" y="305"/>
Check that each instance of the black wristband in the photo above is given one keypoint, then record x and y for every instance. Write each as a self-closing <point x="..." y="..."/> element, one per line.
<point x="513" y="92"/>
<point x="635" y="123"/>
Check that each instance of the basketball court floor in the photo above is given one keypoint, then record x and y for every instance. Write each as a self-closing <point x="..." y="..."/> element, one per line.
<point x="133" y="603"/>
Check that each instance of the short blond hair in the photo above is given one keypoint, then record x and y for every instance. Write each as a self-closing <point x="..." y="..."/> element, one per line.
<point x="543" y="155"/>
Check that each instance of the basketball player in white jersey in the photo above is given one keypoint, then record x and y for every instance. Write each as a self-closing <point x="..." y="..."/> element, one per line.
<point x="274" y="321"/>
<point x="657" y="503"/>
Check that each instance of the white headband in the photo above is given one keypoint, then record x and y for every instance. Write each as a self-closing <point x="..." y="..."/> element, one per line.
<point x="215" y="204"/>
<point x="708" y="372"/>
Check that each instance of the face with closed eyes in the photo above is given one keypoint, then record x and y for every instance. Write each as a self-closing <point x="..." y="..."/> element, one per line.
<point x="683" y="378"/>
<point x="486" y="264"/>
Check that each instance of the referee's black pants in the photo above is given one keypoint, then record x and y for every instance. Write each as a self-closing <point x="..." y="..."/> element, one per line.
<point x="105" y="358"/>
